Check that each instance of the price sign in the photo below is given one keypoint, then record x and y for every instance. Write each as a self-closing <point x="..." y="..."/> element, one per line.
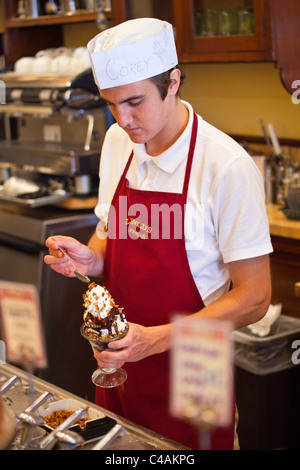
<point x="21" y="324"/>
<point x="201" y="380"/>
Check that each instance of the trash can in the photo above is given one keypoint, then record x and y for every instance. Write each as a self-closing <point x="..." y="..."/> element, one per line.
<point x="267" y="386"/>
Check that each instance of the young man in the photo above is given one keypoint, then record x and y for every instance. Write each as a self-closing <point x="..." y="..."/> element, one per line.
<point x="181" y="217"/>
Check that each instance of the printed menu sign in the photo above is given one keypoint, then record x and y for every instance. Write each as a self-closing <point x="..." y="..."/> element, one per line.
<point x="21" y="324"/>
<point x="201" y="381"/>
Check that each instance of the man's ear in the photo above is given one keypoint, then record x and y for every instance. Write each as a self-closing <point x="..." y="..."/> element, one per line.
<point x="175" y="82"/>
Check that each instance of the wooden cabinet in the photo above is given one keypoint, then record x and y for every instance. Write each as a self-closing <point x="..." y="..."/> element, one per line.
<point x="285" y="18"/>
<point x="285" y="270"/>
<point x="238" y="30"/>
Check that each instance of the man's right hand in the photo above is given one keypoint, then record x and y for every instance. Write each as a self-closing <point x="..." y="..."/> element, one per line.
<point x="88" y="261"/>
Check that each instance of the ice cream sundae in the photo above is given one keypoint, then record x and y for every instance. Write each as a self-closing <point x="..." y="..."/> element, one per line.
<point x="103" y="319"/>
<point x="104" y="322"/>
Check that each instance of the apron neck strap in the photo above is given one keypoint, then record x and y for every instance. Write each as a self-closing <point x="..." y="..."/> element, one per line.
<point x="189" y="161"/>
<point x="190" y="155"/>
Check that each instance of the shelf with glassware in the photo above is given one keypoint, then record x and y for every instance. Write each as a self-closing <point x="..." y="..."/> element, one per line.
<point x="234" y="30"/>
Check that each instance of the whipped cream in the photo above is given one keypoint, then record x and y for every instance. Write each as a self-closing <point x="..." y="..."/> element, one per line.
<point x="102" y="316"/>
<point x="98" y="302"/>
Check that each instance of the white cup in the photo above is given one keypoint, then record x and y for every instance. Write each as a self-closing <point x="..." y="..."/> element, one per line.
<point x="44" y="53"/>
<point x="75" y="66"/>
<point x="62" y="65"/>
<point x="42" y="65"/>
<point x="23" y="66"/>
<point x="65" y="51"/>
<point x="82" y="54"/>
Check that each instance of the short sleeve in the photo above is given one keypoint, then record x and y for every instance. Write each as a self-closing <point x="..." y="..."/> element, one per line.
<point x="238" y="209"/>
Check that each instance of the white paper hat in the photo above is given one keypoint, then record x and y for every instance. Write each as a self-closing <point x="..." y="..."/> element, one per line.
<point x="132" y="51"/>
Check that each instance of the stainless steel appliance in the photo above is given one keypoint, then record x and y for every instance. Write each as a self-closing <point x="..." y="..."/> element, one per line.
<point x="51" y="136"/>
<point x="52" y="129"/>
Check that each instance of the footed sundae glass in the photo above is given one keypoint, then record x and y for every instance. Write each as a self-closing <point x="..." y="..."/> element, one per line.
<point x="104" y="377"/>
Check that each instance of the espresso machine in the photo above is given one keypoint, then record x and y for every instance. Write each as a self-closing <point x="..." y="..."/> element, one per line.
<point x="52" y="130"/>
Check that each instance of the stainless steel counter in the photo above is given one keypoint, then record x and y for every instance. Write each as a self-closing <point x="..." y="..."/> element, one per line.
<point x="136" y="437"/>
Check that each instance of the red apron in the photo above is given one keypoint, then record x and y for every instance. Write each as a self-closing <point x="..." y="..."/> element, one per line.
<point x="150" y="277"/>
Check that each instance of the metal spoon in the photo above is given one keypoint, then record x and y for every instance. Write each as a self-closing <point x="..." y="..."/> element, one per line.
<point x="79" y="276"/>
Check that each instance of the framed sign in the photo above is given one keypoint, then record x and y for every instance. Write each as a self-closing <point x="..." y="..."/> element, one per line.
<point x="201" y="379"/>
<point x="21" y="324"/>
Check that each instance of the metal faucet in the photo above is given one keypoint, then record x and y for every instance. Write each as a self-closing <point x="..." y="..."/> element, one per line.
<point x="29" y="419"/>
<point x="7" y="386"/>
<point x="10" y="383"/>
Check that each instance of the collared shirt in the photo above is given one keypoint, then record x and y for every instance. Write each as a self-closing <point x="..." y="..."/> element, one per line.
<point x="225" y="216"/>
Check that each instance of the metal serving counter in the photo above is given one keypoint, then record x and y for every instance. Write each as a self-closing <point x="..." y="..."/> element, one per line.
<point x="135" y="437"/>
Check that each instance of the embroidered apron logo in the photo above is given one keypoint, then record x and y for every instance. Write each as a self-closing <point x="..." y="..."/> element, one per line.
<point x="140" y="230"/>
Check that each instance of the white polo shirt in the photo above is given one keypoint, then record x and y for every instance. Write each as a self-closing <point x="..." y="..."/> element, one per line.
<point x="225" y="217"/>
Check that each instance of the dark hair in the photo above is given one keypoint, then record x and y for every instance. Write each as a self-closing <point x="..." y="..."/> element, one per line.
<point x="163" y="81"/>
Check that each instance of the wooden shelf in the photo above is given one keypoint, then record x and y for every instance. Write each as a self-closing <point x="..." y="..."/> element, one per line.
<point x="80" y="16"/>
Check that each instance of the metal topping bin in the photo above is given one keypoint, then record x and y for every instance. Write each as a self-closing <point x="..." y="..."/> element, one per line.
<point x="103" y="422"/>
